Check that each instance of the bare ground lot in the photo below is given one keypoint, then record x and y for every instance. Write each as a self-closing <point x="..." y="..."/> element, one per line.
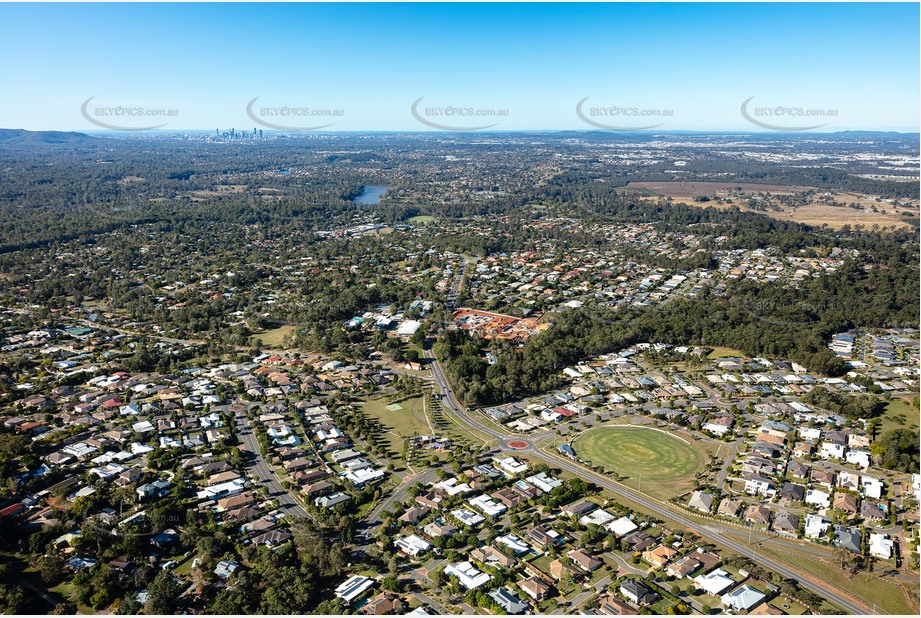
<point x="734" y="194"/>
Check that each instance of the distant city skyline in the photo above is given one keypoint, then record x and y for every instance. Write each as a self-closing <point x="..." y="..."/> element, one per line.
<point x="494" y="67"/>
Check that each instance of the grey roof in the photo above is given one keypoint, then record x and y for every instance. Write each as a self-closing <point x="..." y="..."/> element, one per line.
<point x="742" y="598"/>
<point x="701" y="501"/>
<point x="786" y="521"/>
<point x="792" y="491"/>
<point x="848" y="538"/>
<point x="508" y="601"/>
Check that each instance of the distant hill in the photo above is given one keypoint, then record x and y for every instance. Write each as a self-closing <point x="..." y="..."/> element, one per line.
<point x="14" y="137"/>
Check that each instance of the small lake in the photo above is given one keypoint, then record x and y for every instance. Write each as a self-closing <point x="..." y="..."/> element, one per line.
<point x="371" y="194"/>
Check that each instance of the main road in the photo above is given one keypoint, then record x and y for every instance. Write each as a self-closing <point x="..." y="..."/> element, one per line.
<point x="814" y="584"/>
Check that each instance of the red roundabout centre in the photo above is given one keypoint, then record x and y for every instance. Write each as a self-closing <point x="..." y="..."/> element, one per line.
<point x="518" y="444"/>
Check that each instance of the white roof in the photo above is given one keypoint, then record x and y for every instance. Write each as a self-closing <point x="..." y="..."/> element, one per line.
<point x="544" y="481"/>
<point x="487" y="505"/>
<point x="468" y="517"/>
<point x="351" y="588"/>
<point x="598" y="517"/>
<point x="413" y="545"/>
<point x="818" y="497"/>
<point x="452" y="487"/>
<point x="364" y="475"/>
<point x="468" y="575"/>
<point x="621" y="527"/>
<point x="409" y="327"/>
<point x="714" y="582"/>
<point x="880" y="546"/>
<point x="143" y="426"/>
<point x="514" y="543"/>
<point x="815" y="525"/>
<point x="512" y="465"/>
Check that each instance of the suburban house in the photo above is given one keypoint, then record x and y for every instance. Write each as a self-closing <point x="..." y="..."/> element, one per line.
<point x="638" y="593"/>
<point x="659" y="555"/>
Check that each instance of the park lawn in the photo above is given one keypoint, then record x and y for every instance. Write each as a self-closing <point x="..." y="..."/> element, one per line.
<point x="889" y="597"/>
<point x="364" y="510"/>
<point x="18" y="569"/>
<point x="408" y="421"/>
<point x="897" y="407"/>
<point x="722" y="352"/>
<point x="275" y="337"/>
<point x="655" y="462"/>
<point x="453" y="427"/>
<point x="420" y="219"/>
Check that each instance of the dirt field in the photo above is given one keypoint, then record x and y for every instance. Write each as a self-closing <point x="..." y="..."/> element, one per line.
<point x="218" y="190"/>
<point x="815" y="213"/>
<point x="837" y="217"/>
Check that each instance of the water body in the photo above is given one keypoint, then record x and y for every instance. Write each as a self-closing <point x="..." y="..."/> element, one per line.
<point x="371" y="194"/>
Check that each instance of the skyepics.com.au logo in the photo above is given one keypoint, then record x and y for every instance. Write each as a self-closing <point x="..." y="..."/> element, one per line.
<point x="292" y="117"/>
<point x="621" y="118"/>
<point x="798" y="313"/>
<point x="127" y="117"/>
<point x="779" y="117"/>
<point x="456" y="118"/>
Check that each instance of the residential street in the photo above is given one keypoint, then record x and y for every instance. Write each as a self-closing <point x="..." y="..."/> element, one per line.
<point x="714" y="532"/>
<point x="265" y="475"/>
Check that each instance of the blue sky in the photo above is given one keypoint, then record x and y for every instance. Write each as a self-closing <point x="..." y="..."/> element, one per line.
<point x="537" y="61"/>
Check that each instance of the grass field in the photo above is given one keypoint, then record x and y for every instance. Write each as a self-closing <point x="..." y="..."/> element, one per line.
<point x="896" y="409"/>
<point x="275" y="337"/>
<point x="660" y="464"/>
<point x="888" y="595"/>
<point x="816" y="212"/>
<point x="420" y="219"/>
<point x="408" y="421"/>
<point x="722" y="352"/>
